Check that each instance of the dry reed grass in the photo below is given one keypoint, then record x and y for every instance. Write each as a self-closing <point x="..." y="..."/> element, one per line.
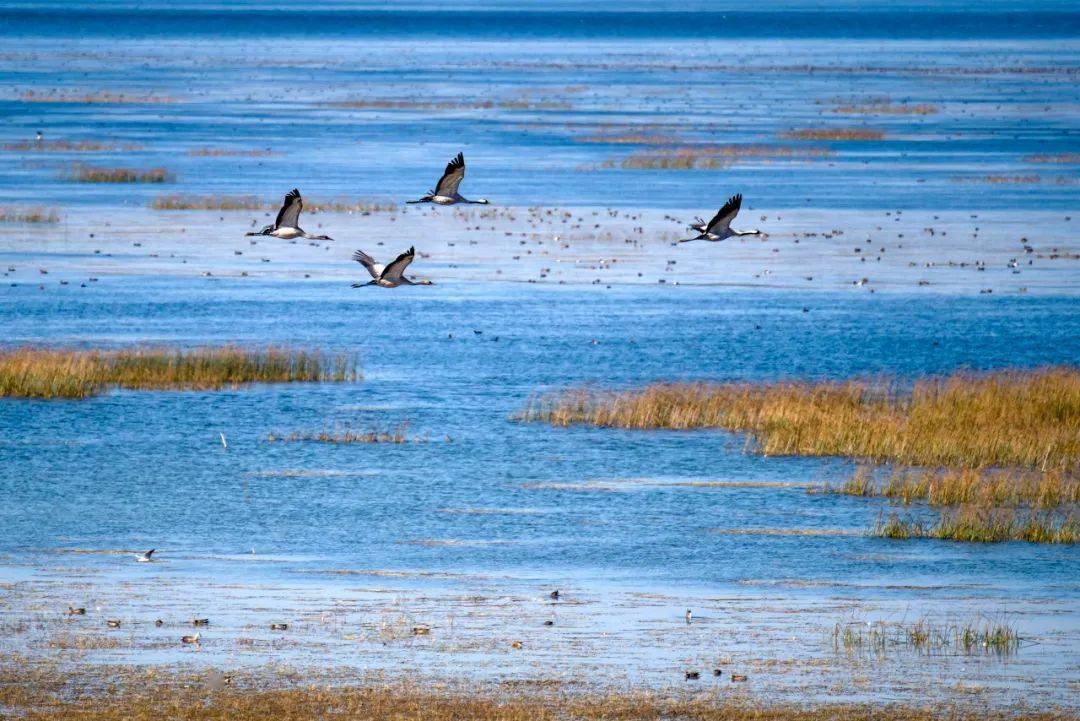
<point x="104" y="98"/>
<point x="835" y="134"/>
<point x="39" y="696"/>
<point x="41" y="373"/>
<point x="248" y="202"/>
<point x="709" y="157"/>
<point x="228" y="153"/>
<point x="207" y="202"/>
<point x="428" y="105"/>
<point x="627" y="139"/>
<point x="1055" y="158"/>
<point x="398" y="435"/>
<point x="67" y="146"/>
<point x="976" y="524"/>
<point x="28" y="215"/>
<point x="1027" y="418"/>
<point x="886" y="108"/>
<point x="94" y="174"/>
<point x="986" y="487"/>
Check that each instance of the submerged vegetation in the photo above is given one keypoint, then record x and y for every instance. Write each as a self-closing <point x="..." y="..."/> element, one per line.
<point x="398" y="435"/>
<point x="95" y="174"/>
<point x="43" y="373"/>
<point x="28" y="215"/>
<point x="1027" y="418"/>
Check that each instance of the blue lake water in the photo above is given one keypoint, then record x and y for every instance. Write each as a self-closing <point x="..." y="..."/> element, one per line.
<point x="367" y="101"/>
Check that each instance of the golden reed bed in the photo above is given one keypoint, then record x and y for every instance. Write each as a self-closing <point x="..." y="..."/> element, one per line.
<point x="1024" y="418"/>
<point x="44" y="373"/>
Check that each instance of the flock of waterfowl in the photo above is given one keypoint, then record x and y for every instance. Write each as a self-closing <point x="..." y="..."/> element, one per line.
<point x="391" y="275"/>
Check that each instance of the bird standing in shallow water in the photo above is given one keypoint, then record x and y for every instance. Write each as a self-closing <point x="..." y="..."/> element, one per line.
<point x="719" y="227"/>
<point x="446" y="190"/>
<point x="287" y="224"/>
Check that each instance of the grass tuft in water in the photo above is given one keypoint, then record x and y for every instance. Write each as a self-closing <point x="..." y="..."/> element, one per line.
<point x="95" y="174"/>
<point x="398" y="435"/>
<point x="28" y="215"/>
<point x="42" y="373"/>
<point x="977" y="636"/>
<point x="951" y="487"/>
<point x="975" y="524"/>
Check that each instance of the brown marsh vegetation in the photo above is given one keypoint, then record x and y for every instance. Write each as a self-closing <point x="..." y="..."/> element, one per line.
<point x="398" y="435"/>
<point x="980" y="524"/>
<point x="1028" y="418"/>
<point x="999" y="487"/>
<point x="28" y="215"/>
<point x="708" y="157"/>
<point x="886" y="108"/>
<point x="835" y="134"/>
<point x="67" y="146"/>
<point x="95" y="174"/>
<point x="103" y="97"/>
<point x="228" y="153"/>
<point x="248" y="202"/>
<point x="42" y="373"/>
<point x="118" y="694"/>
<point x="1000" y="450"/>
<point x="207" y="202"/>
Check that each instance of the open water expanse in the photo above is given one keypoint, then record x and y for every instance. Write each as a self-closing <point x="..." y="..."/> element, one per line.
<point x="597" y="136"/>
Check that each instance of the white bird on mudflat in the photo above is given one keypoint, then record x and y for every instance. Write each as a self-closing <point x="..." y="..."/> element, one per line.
<point x="145" y="557"/>
<point x="719" y="227"/>
<point x="388" y="276"/>
<point x="445" y="192"/>
<point x="287" y="224"/>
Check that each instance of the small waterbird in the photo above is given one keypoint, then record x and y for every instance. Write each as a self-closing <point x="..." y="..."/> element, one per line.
<point x="689" y="616"/>
<point x="554" y="595"/>
<point x="446" y="190"/>
<point x="287" y="224"/>
<point x="388" y="276"/>
<point x="279" y="627"/>
<point x="693" y="675"/>
<point x="72" y="611"/>
<point x="190" y="639"/>
<point x="145" y="557"/>
<point x="112" y="622"/>
<point x="200" y="622"/>
<point x="719" y="227"/>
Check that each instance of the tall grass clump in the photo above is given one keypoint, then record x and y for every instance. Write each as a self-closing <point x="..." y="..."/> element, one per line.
<point x="1023" y="418"/>
<point x="951" y="487"/>
<point x="979" y="524"/>
<point x="42" y="373"/>
<point x="95" y="174"/>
